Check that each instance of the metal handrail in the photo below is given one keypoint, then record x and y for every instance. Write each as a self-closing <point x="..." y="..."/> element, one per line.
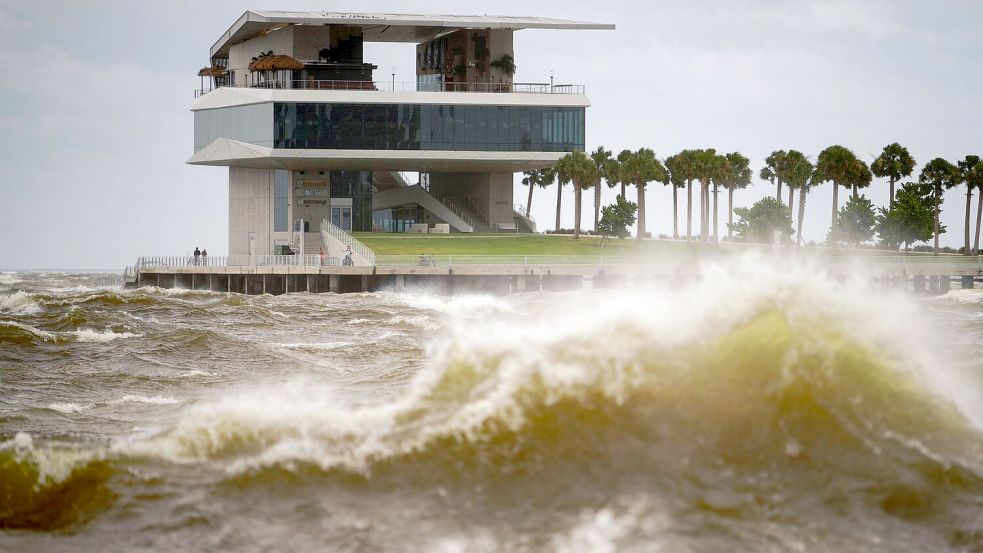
<point x="358" y="248"/>
<point x="405" y="86"/>
<point x="450" y="205"/>
<point x="521" y="210"/>
<point x="227" y="261"/>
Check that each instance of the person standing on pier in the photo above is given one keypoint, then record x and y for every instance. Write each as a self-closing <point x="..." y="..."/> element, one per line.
<point x="197" y="254"/>
<point x="204" y="256"/>
<point x="320" y="254"/>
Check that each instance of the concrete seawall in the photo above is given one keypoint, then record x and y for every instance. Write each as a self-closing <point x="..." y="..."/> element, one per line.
<point x="492" y="279"/>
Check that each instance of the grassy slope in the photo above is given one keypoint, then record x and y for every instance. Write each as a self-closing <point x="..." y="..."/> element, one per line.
<point x="538" y="244"/>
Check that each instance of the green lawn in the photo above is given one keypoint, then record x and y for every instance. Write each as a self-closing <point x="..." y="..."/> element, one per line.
<point x="539" y="244"/>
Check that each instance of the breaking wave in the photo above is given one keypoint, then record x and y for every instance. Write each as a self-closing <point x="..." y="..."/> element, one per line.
<point x="790" y="371"/>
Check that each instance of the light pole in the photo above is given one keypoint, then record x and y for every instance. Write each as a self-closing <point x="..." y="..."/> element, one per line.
<point x="551" y="81"/>
<point x="394" y="79"/>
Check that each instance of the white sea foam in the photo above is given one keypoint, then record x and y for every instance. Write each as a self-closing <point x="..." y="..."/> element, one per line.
<point x="193" y="374"/>
<point x="315" y="346"/>
<point x="19" y="303"/>
<point x="969" y="296"/>
<point x="42" y="334"/>
<point x="95" y="336"/>
<point x="68" y="408"/>
<point x="582" y="344"/>
<point x="7" y="279"/>
<point x="151" y="400"/>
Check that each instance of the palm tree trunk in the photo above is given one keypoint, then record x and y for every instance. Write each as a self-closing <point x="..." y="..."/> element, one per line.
<point x="623" y="191"/>
<point x="778" y="190"/>
<point x="597" y="203"/>
<point x="577" y="198"/>
<point x="705" y="216"/>
<point x="890" y="200"/>
<point x="802" y="212"/>
<point x="938" y="193"/>
<point x="529" y="201"/>
<point x="559" y="199"/>
<point x="832" y="226"/>
<point x="854" y="190"/>
<point x="689" y="210"/>
<point x="703" y="210"/>
<point x="641" y="211"/>
<point x="791" y="202"/>
<point x="969" y="208"/>
<point x="730" y="211"/>
<point x="716" y="235"/>
<point x="675" y="212"/>
<point x="979" y="219"/>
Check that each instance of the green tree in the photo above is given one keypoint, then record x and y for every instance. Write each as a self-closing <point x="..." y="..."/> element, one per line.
<point x="601" y="159"/>
<point x="894" y="163"/>
<point x="760" y="222"/>
<point x="562" y="179"/>
<point x="708" y="167"/>
<point x="856" y="220"/>
<point x="616" y="218"/>
<point x="736" y="175"/>
<point x="774" y="171"/>
<point x="641" y="168"/>
<point x="979" y="208"/>
<point x="540" y="178"/>
<point x="971" y="174"/>
<point x="576" y="167"/>
<point x="909" y="219"/>
<point x="622" y="158"/>
<point x="941" y="175"/>
<point x="841" y="166"/>
<point x="798" y="176"/>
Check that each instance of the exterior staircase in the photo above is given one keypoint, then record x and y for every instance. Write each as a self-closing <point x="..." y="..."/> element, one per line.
<point x="523" y="221"/>
<point x="337" y="242"/>
<point x="459" y="219"/>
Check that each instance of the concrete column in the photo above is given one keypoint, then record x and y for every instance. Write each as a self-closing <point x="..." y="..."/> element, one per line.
<point x="967" y="282"/>
<point x="919" y="283"/>
<point x="933" y="284"/>
<point x="945" y="284"/>
<point x="365" y="283"/>
<point x="333" y="284"/>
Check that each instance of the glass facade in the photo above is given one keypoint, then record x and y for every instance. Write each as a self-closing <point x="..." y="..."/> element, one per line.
<point x="281" y="194"/>
<point x="428" y="127"/>
<point x="252" y="124"/>
<point x="356" y="185"/>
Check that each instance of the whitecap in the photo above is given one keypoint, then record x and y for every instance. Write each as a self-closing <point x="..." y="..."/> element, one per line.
<point x="152" y="400"/>
<point x="68" y="408"/>
<point x="19" y="303"/>
<point x="95" y="336"/>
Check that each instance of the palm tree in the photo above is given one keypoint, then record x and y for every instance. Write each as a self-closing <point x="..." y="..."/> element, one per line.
<point x="602" y="160"/>
<point x="684" y="163"/>
<point x="676" y="166"/>
<point x="562" y="178"/>
<point x="798" y="174"/>
<point x="736" y="175"/>
<point x="894" y="162"/>
<point x="839" y="165"/>
<point x="640" y="168"/>
<point x="862" y="178"/>
<point x="942" y="175"/>
<point x="537" y="178"/>
<point x="707" y="167"/>
<point x="774" y="171"/>
<point x="792" y="158"/>
<point x="979" y="208"/>
<point x="581" y="170"/>
<point x="623" y="157"/>
<point x="970" y="173"/>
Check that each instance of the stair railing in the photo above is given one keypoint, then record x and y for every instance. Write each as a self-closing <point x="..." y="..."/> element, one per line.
<point x="358" y="248"/>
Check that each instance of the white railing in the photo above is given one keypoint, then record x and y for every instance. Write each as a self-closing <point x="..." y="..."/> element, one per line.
<point x="233" y="261"/>
<point x="404" y="86"/>
<point x="358" y="248"/>
<point x="521" y="210"/>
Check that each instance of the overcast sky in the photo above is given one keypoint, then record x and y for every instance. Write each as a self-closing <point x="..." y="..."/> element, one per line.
<point x="95" y="124"/>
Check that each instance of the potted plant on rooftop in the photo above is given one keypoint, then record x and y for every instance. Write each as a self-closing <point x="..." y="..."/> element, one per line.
<point x="505" y="64"/>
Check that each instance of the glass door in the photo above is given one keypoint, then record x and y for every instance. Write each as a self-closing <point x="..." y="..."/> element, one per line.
<point x="341" y="217"/>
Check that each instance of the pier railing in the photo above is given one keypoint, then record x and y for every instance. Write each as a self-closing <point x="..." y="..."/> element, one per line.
<point x="236" y="261"/>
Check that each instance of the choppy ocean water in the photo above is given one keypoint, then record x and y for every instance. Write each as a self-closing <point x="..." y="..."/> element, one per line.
<point x="777" y="411"/>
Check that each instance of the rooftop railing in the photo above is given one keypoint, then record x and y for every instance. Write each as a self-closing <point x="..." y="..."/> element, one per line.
<point x="399" y="86"/>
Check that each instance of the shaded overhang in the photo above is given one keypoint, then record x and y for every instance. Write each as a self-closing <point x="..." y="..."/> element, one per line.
<point x="387" y="27"/>
<point x="225" y="152"/>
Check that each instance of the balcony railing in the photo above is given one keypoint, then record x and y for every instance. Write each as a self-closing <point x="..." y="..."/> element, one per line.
<point x="397" y="86"/>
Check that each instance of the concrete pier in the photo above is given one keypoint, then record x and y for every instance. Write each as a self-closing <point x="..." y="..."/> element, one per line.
<point x="498" y="279"/>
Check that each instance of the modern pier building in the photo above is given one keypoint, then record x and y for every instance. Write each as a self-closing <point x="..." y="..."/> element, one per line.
<point x="290" y="105"/>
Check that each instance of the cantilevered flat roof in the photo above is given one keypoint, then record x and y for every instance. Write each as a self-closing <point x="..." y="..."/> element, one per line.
<point x="388" y="27"/>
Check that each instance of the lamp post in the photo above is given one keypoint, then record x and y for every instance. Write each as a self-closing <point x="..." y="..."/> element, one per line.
<point x="551" y="81"/>
<point x="394" y="79"/>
